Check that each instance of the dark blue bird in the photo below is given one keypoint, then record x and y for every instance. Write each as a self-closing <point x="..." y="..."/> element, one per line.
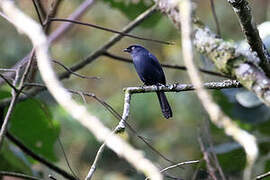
<point x="150" y="72"/>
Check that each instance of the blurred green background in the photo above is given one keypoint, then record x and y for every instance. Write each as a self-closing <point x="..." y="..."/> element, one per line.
<point x="39" y="121"/>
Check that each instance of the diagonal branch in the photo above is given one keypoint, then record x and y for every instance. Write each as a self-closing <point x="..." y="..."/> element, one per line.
<point x="109" y="30"/>
<point x="243" y="10"/>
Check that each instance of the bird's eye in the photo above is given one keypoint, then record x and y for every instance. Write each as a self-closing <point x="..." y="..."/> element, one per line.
<point x="132" y="48"/>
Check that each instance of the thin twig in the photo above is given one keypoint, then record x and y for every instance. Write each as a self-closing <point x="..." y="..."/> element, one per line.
<point x="18" y="175"/>
<point x="263" y="176"/>
<point x="206" y="157"/>
<point x="74" y="73"/>
<point x="66" y="26"/>
<point x="9" y="83"/>
<point x="37" y="11"/>
<point x="97" y="157"/>
<point x="175" y="166"/>
<point x="15" y="95"/>
<point x="215" y="17"/>
<point x="180" y="164"/>
<point x="206" y="131"/>
<point x="52" y="12"/>
<point x="123" y="59"/>
<point x="110" y="30"/>
<point x="8" y="70"/>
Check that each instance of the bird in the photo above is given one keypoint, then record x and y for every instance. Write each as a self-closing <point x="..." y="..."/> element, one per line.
<point x="150" y="72"/>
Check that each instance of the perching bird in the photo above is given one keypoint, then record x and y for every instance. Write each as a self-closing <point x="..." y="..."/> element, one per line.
<point x="150" y="72"/>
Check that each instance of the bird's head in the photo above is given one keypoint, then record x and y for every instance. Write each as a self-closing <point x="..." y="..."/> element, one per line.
<point x="134" y="49"/>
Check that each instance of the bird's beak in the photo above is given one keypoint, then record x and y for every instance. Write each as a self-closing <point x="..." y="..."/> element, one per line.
<point x="127" y="50"/>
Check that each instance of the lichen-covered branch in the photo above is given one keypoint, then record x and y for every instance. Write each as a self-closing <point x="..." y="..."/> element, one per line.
<point x="225" y="55"/>
<point x="168" y="88"/>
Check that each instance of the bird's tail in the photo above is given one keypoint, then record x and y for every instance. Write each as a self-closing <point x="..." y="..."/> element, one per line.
<point x="164" y="104"/>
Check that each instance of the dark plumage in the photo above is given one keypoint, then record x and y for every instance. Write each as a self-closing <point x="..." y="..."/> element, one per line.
<point x="150" y="72"/>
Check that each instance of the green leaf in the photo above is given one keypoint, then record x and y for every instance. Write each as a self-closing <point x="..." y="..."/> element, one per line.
<point x="32" y="123"/>
<point x="132" y="9"/>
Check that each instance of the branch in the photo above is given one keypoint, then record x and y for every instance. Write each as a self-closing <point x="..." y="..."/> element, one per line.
<point x="9" y="83"/>
<point x="18" y="175"/>
<point x="74" y="73"/>
<point x="206" y="157"/>
<point x="263" y="176"/>
<point x="109" y="30"/>
<point x="79" y="112"/>
<point x="177" y="165"/>
<point x="37" y="11"/>
<point x="243" y="10"/>
<point x="180" y="164"/>
<point x="215" y="17"/>
<point x="169" y="88"/>
<point x="15" y="95"/>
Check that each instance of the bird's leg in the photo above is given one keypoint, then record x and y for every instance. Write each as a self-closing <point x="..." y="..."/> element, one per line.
<point x="159" y="85"/>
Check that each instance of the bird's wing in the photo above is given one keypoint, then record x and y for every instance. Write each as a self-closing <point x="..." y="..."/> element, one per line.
<point x="158" y="67"/>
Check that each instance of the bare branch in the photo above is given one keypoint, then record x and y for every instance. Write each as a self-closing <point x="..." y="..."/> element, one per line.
<point x="79" y="112"/>
<point x="110" y="30"/>
<point x="8" y="70"/>
<point x="15" y="95"/>
<point x="180" y="164"/>
<point x="206" y="157"/>
<point x="37" y="11"/>
<point x="212" y="3"/>
<point x="9" y="83"/>
<point x="263" y="176"/>
<point x="177" y="165"/>
<point x="169" y="88"/>
<point x="74" y="73"/>
<point x="18" y="175"/>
